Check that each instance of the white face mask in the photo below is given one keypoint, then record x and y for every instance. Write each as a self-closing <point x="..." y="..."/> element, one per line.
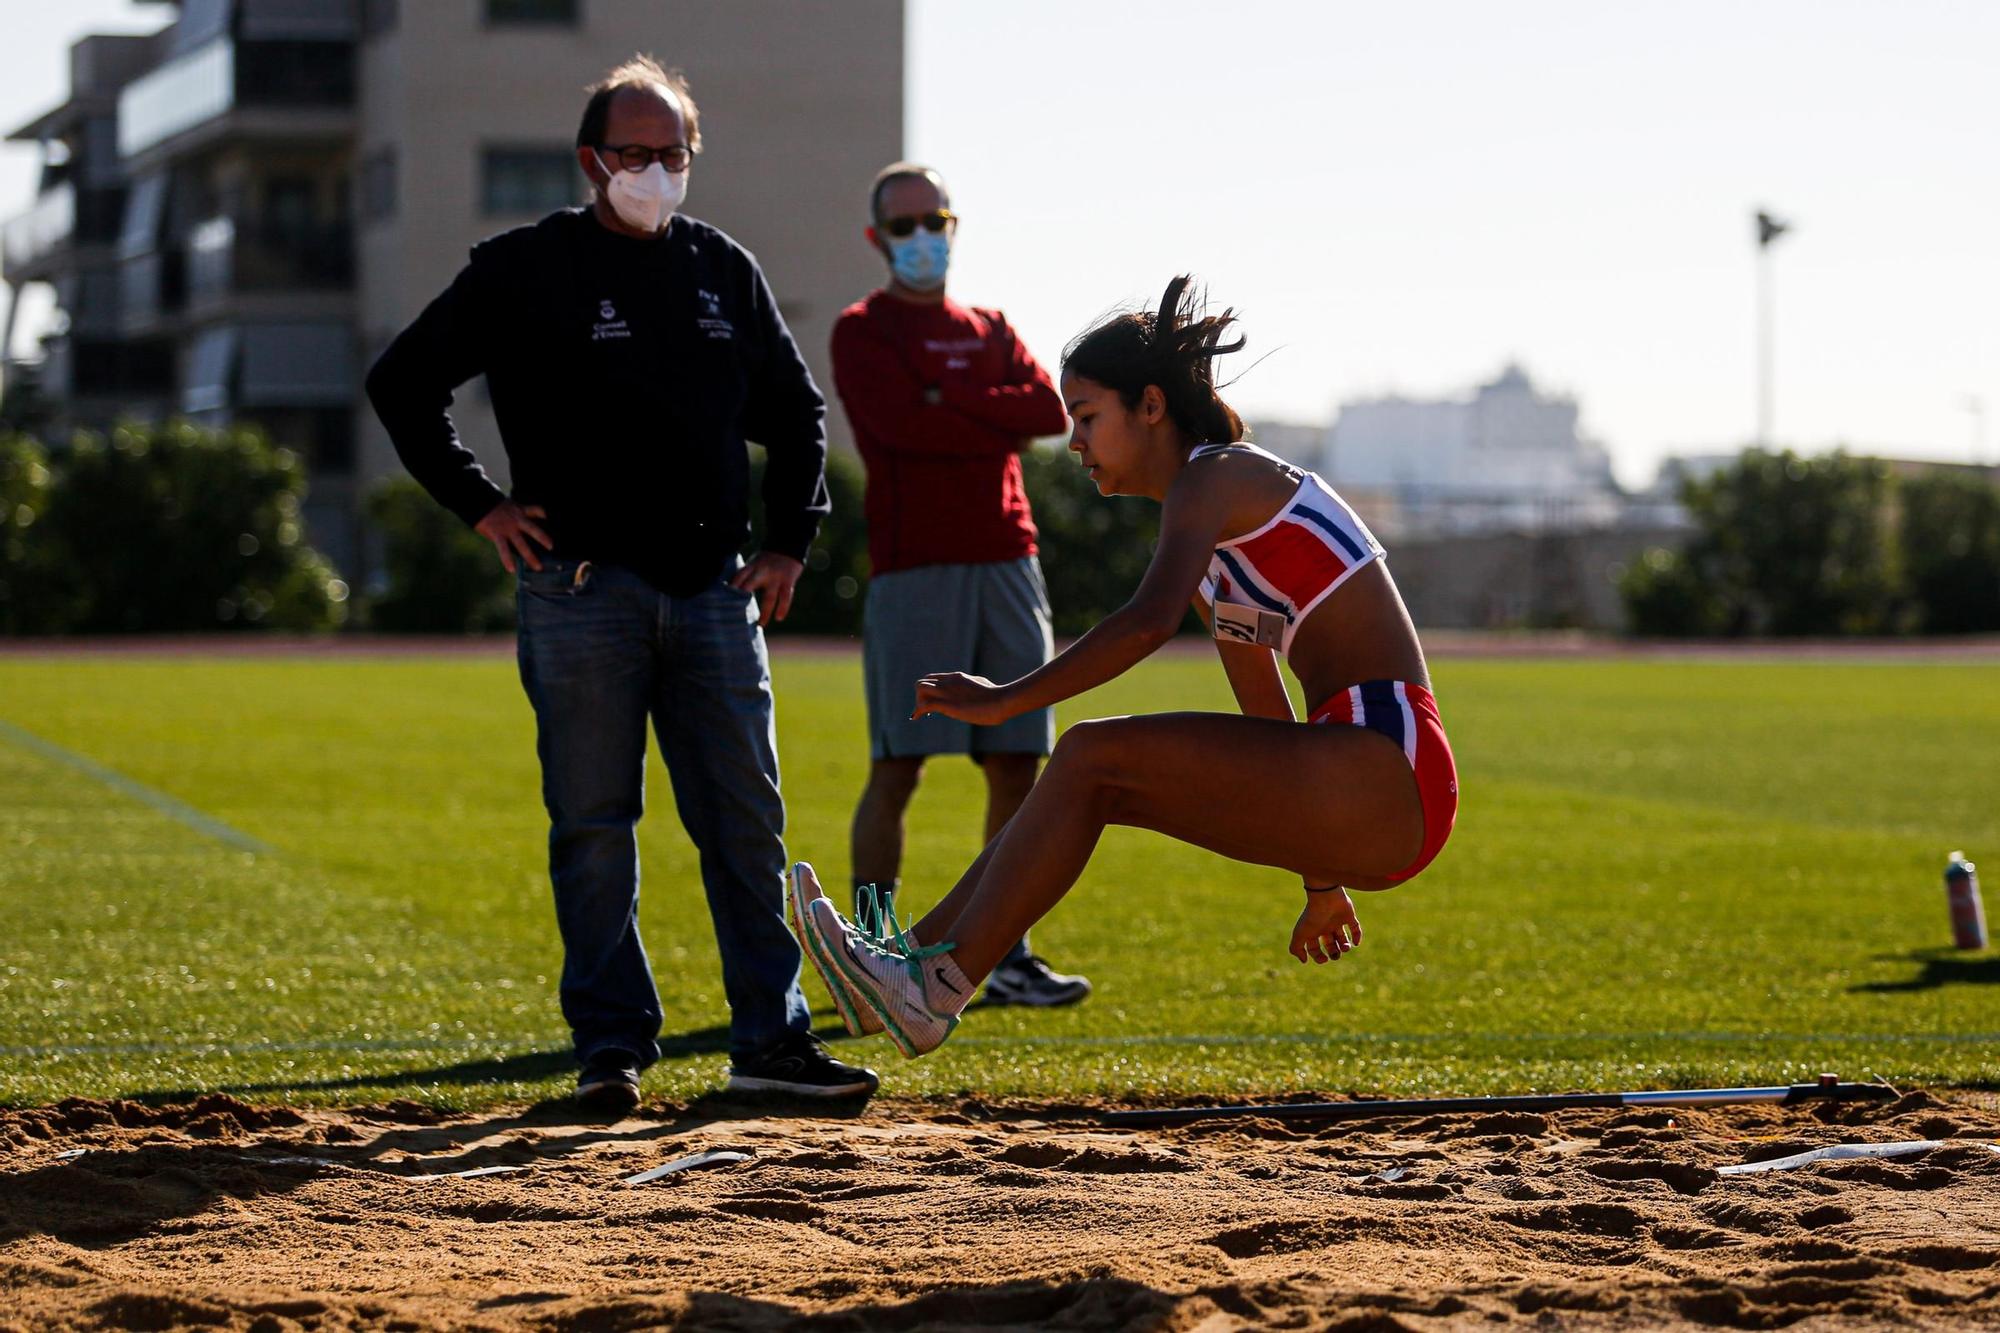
<point x="645" y="200"/>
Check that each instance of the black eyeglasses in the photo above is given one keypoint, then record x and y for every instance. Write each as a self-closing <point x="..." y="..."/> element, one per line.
<point x="637" y="156"/>
<point x="935" y="220"/>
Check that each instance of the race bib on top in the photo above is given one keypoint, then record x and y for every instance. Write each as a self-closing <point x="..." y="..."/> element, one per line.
<point x="1248" y="624"/>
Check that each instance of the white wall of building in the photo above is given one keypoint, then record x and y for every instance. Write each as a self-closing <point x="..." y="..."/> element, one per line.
<point x="1509" y="455"/>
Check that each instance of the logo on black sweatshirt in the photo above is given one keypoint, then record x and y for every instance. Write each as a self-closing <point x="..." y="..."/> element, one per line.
<point x="609" y="325"/>
<point x="711" y="320"/>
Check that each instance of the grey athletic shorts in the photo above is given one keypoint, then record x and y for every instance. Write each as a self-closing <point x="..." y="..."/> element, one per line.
<point x="991" y="620"/>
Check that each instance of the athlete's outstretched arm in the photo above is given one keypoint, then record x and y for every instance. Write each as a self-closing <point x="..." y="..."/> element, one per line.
<point x="1191" y="521"/>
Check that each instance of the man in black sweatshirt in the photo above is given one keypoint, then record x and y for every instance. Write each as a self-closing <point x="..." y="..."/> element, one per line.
<point x="630" y="352"/>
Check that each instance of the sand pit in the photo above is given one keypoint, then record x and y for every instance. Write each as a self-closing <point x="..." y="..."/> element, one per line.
<point x="915" y="1216"/>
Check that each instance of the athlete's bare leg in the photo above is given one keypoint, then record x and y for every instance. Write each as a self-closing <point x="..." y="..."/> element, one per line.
<point x="1336" y="805"/>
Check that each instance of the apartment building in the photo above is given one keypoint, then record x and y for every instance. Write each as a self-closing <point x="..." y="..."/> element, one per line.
<point x="236" y="213"/>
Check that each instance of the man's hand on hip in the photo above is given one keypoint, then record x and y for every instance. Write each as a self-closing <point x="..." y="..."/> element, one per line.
<point x="771" y="578"/>
<point x="509" y="526"/>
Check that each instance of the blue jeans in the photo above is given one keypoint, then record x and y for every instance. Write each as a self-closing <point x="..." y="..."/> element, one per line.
<point x="599" y="655"/>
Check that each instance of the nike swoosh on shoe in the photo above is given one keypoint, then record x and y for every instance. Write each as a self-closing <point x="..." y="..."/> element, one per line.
<point x="865" y="987"/>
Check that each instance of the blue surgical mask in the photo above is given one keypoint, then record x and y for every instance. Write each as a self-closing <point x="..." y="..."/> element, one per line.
<point x="920" y="259"/>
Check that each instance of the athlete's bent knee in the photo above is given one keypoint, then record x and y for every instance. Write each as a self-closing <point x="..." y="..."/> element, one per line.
<point x="1082" y="748"/>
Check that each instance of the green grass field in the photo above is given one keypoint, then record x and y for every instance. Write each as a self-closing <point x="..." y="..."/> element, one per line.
<point x="1665" y="872"/>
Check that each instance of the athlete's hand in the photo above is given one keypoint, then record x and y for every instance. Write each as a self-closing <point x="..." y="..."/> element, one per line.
<point x="509" y="527"/>
<point x="973" y="699"/>
<point x="1327" y="928"/>
<point x="770" y="577"/>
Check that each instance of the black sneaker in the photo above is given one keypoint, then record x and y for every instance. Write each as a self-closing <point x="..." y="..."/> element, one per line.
<point x="609" y="1083"/>
<point x="799" y="1066"/>
<point x="1031" y="981"/>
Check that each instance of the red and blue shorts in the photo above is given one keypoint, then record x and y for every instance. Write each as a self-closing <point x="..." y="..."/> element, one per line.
<point x="1407" y="715"/>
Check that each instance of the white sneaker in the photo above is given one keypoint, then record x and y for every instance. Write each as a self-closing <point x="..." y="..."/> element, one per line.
<point x="887" y="982"/>
<point x="802" y="889"/>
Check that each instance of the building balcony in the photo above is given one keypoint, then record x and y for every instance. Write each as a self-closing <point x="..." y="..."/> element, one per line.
<point x="98" y="380"/>
<point x="274" y="89"/>
<point x="46" y="240"/>
<point x="268" y="368"/>
<point x="29" y="241"/>
<point x="229" y="259"/>
<point x="88" y="297"/>
<point x="152" y="292"/>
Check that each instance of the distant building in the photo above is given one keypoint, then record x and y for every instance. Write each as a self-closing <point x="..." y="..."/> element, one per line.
<point x="1507" y="458"/>
<point x="238" y="212"/>
<point x="1295" y="442"/>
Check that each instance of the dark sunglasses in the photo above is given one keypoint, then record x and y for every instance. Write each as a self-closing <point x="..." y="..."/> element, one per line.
<point x="637" y="157"/>
<point x="936" y="220"/>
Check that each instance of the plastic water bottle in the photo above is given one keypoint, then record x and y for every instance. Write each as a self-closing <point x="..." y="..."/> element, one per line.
<point x="1968" y="915"/>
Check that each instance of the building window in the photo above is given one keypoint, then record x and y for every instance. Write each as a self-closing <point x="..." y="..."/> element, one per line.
<point x="565" y="12"/>
<point x="378" y="186"/>
<point x="516" y="181"/>
<point x="377" y="17"/>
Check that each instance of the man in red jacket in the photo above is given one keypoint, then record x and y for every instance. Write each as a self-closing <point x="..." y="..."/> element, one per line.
<point x="943" y="398"/>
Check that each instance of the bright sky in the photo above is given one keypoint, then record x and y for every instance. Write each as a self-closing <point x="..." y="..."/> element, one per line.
<point x="1404" y="197"/>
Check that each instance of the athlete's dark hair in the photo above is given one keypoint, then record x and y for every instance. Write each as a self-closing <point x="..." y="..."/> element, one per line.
<point x="1173" y="347"/>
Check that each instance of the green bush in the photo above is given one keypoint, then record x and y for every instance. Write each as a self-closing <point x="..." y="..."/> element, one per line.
<point x="438" y="576"/>
<point x="1665" y="597"/>
<point x="829" y="595"/>
<point x="24" y="498"/>
<point x="172" y="528"/>
<point x="1950" y="539"/>
<point x="1094" y="548"/>
<point x="1783" y="545"/>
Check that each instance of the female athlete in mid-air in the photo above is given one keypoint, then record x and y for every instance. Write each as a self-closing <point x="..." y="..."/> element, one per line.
<point x="1363" y="796"/>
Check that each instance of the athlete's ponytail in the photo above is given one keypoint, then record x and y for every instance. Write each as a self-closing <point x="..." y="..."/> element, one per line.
<point x="1173" y="348"/>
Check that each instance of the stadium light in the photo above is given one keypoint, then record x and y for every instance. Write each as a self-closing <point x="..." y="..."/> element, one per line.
<point x="1769" y="229"/>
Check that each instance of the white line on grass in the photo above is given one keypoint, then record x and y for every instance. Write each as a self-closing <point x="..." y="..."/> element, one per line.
<point x="138" y="791"/>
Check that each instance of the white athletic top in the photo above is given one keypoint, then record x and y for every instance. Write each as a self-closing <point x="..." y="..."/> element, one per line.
<point x="1263" y="584"/>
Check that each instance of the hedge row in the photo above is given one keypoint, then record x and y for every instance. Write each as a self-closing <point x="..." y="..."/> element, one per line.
<point x="158" y="529"/>
<point x="1834" y="545"/>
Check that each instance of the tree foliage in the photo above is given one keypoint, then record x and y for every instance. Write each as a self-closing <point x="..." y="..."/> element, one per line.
<point x="24" y="497"/>
<point x="1094" y="548"/>
<point x="1951" y="552"/>
<point x="173" y="528"/>
<point x="1783" y="545"/>
<point x="830" y="593"/>
<point x="438" y="576"/>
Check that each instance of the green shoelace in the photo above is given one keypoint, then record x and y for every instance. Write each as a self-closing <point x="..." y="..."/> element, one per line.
<point x="875" y="917"/>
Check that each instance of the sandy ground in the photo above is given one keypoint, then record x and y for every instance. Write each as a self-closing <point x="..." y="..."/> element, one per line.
<point x="916" y="1216"/>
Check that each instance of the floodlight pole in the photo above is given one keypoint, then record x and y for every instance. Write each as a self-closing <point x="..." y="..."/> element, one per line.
<point x="1765" y="334"/>
<point x="1769" y="229"/>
